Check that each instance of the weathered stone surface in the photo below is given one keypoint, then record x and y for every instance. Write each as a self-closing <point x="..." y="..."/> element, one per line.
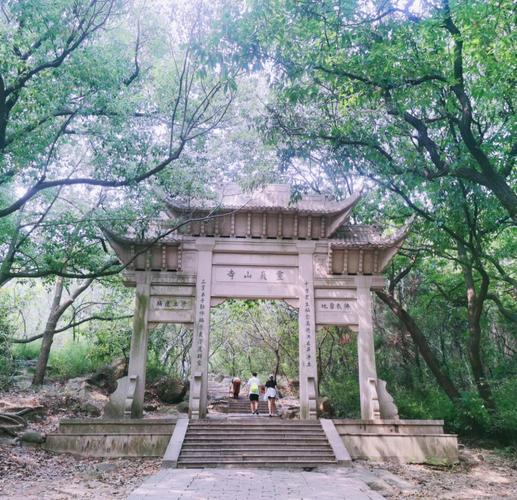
<point x="112" y="438"/>
<point x="249" y="483"/>
<point x="105" y="467"/>
<point x="33" y="437"/>
<point x="387" y="406"/>
<point x="92" y="400"/>
<point x="170" y="390"/>
<point x="90" y="409"/>
<point x="289" y="412"/>
<point x="182" y="407"/>
<point x="106" y="377"/>
<point x="325" y="408"/>
<point x="115" y="406"/>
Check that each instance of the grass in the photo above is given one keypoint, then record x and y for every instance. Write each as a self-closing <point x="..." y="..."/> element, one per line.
<point x="73" y="359"/>
<point x="26" y="351"/>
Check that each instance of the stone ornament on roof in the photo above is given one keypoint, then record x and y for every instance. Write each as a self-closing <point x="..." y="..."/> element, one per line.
<point x="273" y="197"/>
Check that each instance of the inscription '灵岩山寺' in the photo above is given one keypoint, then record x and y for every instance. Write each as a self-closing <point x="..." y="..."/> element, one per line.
<point x="255" y="275"/>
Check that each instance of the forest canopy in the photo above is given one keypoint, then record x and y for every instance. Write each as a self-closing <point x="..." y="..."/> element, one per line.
<point x="108" y="107"/>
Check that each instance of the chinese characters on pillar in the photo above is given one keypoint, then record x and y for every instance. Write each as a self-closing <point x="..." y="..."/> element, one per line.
<point x="308" y="330"/>
<point x="201" y="318"/>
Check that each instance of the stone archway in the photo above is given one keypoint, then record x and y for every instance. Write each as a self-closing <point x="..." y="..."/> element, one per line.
<point x="259" y="246"/>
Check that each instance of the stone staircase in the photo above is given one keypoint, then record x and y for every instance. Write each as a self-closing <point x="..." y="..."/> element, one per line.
<point x="242" y="405"/>
<point x="255" y="442"/>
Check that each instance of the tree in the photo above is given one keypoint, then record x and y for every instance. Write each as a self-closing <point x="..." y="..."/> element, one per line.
<point x="375" y="90"/>
<point x="89" y="106"/>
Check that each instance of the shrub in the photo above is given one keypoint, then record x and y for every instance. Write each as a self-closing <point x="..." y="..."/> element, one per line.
<point x="344" y="396"/>
<point x="73" y="360"/>
<point x="26" y="351"/>
<point x="7" y="367"/>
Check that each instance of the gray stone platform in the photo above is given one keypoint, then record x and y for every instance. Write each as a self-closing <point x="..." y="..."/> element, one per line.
<point x="224" y="484"/>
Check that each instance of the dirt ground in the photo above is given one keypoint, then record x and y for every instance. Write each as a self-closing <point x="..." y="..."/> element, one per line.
<point x="481" y="473"/>
<point x="27" y="473"/>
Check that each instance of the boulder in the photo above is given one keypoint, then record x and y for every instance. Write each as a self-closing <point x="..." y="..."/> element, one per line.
<point x="182" y="407"/>
<point x="325" y="408"/>
<point x="90" y="409"/>
<point x="91" y="399"/>
<point x="33" y="437"/>
<point x="106" y="377"/>
<point x="294" y="385"/>
<point x="289" y="412"/>
<point x="170" y="390"/>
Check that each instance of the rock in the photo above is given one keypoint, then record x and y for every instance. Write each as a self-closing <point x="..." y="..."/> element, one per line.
<point x="150" y="407"/>
<point x="91" y="399"/>
<point x="394" y="480"/>
<point x="182" y="407"/>
<point x="294" y="385"/>
<point x="90" y="409"/>
<point x="106" y="377"/>
<point x="219" y="378"/>
<point x="33" y="437"/>
<point x="170" y="390"/>
<point x="325" y="408"/>
<point x="105" y="467"/>
<point x="289" y="412"/>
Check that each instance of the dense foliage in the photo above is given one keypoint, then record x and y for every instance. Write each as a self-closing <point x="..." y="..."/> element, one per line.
<point x="412" y="101"/>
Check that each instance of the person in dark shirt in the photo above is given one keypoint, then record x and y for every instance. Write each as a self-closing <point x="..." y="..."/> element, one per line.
<point x="271" y="395"/>
<point x="236" y="387"/>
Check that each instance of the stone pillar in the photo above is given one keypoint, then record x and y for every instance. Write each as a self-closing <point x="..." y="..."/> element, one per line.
<point x="366" y="350"/>
<point x="308" y="373"/>
<point x="138" y="352"/>
<point x="200" y="340"/>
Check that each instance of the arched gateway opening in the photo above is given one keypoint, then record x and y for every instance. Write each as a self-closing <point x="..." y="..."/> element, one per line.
<point x="259" y="246"/>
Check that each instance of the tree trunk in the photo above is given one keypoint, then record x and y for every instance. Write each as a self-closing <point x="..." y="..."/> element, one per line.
<point x="277" y="363"/>
<point x="48" y="334"/>
<point x="475" y="302"/>
<point x="421" y="342"/>
<point x="56" y="311"/>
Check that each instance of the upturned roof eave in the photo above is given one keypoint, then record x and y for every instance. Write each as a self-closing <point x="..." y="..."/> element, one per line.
<point x="343" y="206"/>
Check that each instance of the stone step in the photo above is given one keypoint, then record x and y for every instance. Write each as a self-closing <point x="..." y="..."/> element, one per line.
<point x="254" y="421"/>
<point x="245" y="448"/>
<point x="285" y="464"/>
<point x="313" y="455"/>
<point x="259" y="431"/>
<point x="256" y="444"/>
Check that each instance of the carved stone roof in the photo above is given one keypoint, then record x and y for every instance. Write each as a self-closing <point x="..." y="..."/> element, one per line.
<point x="273" y="197"/>
<point x="360" y="235"/>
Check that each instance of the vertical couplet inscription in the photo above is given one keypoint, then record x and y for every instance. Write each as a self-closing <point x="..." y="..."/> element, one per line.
<point x="200" y="323"/>
<point x="309" y="339"/>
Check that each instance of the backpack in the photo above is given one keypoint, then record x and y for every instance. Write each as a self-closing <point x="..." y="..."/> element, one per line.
<point x="254" y="389"/>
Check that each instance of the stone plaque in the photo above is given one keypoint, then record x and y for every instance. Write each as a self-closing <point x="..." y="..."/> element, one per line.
<point x="248" y="274"/>
<point x="171" y="303"/>
<point x="331" y="305"/>
<point x="339" y="312"/>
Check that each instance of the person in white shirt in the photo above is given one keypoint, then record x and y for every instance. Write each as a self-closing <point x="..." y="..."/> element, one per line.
<point x="253" y="386"/>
